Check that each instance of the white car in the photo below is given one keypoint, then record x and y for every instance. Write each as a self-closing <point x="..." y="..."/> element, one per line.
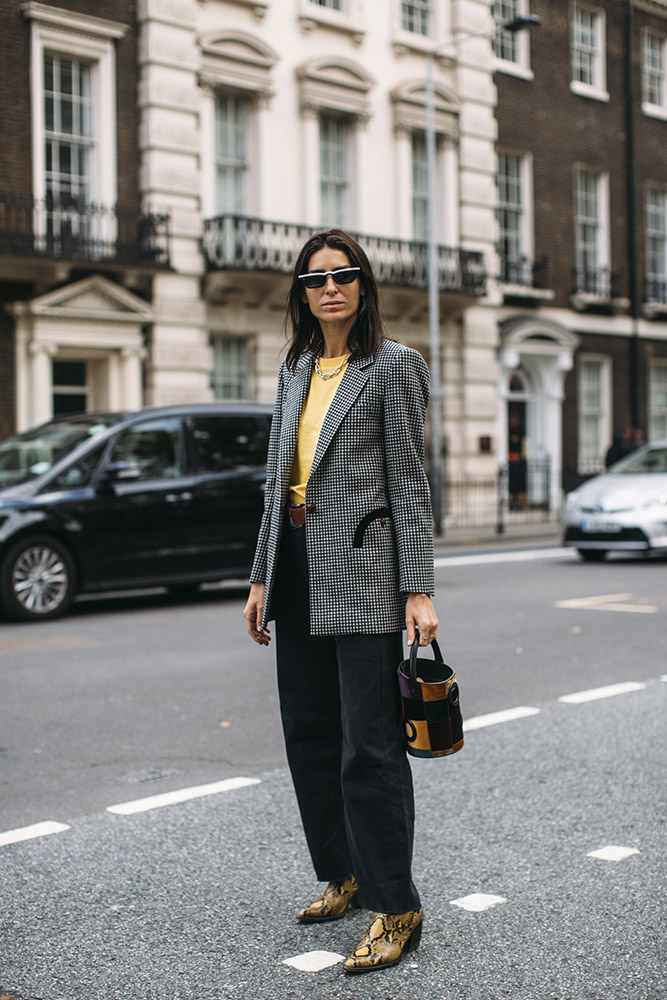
<point x="621" y="510"/>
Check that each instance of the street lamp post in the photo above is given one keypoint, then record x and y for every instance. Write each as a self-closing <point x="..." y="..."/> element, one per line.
<point x="517" y="24"/>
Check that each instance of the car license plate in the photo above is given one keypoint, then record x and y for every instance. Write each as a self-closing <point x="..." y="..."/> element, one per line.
<point x="595" y="525"/>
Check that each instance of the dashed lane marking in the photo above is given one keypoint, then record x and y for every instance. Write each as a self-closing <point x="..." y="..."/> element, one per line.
<point x="180" y="795"/>
<point x="494" y="718"/>
<point x="477" y="901"/>
<point x="525" y="555"/>
<point x="612" y="853"/>
<point x="314" y="961"/>
<point x="608" y="602"/>
<point x="608" y="691"/>
<point x="29" y="832"/>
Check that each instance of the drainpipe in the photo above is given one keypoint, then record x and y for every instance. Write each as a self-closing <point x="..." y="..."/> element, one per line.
<point x="631" y="217"/>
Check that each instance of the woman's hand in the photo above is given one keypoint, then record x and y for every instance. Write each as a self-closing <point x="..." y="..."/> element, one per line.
<point x="253" y="612"/>
<point x="419" y="611"/>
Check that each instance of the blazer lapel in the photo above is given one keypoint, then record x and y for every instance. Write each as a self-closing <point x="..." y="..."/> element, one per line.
<point x="296" y="395"/>
<point x="354" y="380"/>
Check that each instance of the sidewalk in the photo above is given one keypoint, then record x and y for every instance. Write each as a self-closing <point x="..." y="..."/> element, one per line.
<point x="514" y="535"/>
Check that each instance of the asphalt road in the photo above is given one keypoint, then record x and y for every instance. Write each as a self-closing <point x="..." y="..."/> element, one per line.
<point x="132" y="698"/>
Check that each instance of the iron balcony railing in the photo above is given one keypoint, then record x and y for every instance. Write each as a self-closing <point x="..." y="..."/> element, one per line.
<point x="74" y="230"/>
<point x="242" y="243"/>
<point x="599" y="282"/>
<point x="523" y="271"/>
<point x="656" y="290"/>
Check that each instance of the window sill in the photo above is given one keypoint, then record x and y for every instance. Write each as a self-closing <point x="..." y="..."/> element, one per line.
<point x="525" y="292"/>
<point x="654" y="309"/>
<point x="585" y="90"/>
<point x="408" y="41"/>
<point x="655" y="111"/>
<point x="312" y="16"/>
<point x="513" y="69"/>
<point x="583" y="301"/>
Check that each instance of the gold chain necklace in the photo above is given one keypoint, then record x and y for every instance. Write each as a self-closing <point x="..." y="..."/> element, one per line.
<point x="328" y="375"/>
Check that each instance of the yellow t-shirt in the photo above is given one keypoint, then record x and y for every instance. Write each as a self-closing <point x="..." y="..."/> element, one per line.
<point x="318" y="400"/>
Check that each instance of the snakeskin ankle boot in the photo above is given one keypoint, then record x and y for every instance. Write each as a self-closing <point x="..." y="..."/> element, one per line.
<point x="389" y="936"/>
<point x="332" y="904"/>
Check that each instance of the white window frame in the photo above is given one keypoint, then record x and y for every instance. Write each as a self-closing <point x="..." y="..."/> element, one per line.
<point x="649" y="107"/>
<point x="418" y="196"/>
<point x="653" y="233"/>
<point x="345" y="183"/>
<point x="598" y="88"/>
<point x="440" y="29"/>
<point x="603" y="245"/>
<point x="242" y="167"/>
<point x="525" y="205"/>
<point x="589" y="463"/>
<point x="349" y="19"/>
<point x="90" y="39"/>
<point x="521" y="40"/>
<point x="241" y="374"/>
<point x="657" y="414"/>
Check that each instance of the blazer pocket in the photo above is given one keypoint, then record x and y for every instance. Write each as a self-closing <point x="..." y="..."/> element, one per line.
<point x="381" y="512"/>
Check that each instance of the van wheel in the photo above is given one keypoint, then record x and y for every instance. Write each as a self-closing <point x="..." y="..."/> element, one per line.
<point x="38" y="579"/>
<point x="593" y="555"/>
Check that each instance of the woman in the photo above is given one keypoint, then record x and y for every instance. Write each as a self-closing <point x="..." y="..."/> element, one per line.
<point x="344" y="563"/>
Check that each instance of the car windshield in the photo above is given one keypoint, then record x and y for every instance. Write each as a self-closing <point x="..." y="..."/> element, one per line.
<point x="25" y="456"/>
<point x="642" y="462"/>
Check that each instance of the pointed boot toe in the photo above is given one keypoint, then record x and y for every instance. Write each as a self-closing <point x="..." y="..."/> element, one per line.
<point x="389" y="937"/>
<point x="332" y="904"/>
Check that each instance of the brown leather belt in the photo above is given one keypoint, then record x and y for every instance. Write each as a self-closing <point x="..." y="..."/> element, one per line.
<point x="297" y="513"/>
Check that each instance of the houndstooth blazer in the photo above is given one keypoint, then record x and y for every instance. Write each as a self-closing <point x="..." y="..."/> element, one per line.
<point x="370" y="537"/>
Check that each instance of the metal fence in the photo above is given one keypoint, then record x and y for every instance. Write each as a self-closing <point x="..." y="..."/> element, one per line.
<point x="516" y="493"/>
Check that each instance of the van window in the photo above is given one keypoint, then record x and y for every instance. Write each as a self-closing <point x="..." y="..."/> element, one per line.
<point x="79" y="473"/>
<point x="230" y="441"/>
<point x="153" y="447"/>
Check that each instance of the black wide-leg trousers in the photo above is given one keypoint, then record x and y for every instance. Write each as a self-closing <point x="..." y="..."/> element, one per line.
<point x="345" y="743"/>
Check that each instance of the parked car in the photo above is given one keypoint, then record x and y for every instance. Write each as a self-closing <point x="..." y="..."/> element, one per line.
<point x="621" y="510"/>
<point x="166" y="496"/>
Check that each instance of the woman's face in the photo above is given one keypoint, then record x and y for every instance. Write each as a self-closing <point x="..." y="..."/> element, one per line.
<point x="332" y="303"/>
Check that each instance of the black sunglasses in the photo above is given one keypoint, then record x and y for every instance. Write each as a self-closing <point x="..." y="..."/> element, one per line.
<point x="318" y="279"/>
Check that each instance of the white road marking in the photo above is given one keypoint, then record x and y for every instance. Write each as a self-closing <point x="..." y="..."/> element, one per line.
<point x="493" y="718"/>
<point x="313" y="961"/>
<point x="607" y="602"/>
<point x="608" y="691"/>
<point x="612" y="853"/>
<point x="525" y="555"/>
<point x="29" y="832"/>
<point x="180" y="795"/>
<point x="477" y="901"/>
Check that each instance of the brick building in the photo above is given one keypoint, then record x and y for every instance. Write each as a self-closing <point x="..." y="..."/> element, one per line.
<point x="79" y="245"/>
<point x="583" y="321"/>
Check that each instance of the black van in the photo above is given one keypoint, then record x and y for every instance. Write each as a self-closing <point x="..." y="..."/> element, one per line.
<point x="168" y="496"/>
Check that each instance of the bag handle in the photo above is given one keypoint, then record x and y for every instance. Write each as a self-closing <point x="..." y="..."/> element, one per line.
<point x="414" y="649"/>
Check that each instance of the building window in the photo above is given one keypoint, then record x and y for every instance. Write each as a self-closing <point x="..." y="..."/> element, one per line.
<point x="594" y="396"/>
<point x="512" y="220"/>
<point x="657" y="401"/>
<point x="506" y="43"/>
<point x="591" y="234"/>
<point x="231" y="157"/>
<point x="656" y="244"/>
<point x="69" y="145"/>
<point x="588" y="52"/>
<point x="331" y="4"/>
<point x="334" y="170"/>
<point x="654" y="78"/>
<point x="419" y="188"/>
<point x="73" y="83"/>
<point x="416" y="17"/>
<point x="231" y="368"/>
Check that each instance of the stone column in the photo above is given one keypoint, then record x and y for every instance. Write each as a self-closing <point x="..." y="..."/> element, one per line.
<point x="40" y="407"/>
<point x="179" y="365"/>
<point x="310" y="128"/>
<point x="131" y="381"/>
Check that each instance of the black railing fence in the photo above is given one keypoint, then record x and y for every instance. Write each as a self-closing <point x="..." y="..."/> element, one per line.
<point x="656" y="290"/>
<point x="523" y="271"/>
<point x="75" y="230"/>
<point x="244" y="243"/>
<point x="516" y="492"/>
<point x="600" y="282"/>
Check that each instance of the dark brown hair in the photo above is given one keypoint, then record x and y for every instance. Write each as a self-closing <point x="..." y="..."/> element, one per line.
<point x="368" y="329"/>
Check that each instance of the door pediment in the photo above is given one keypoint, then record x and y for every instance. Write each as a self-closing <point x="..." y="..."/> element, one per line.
<point x="92" y="298"/>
